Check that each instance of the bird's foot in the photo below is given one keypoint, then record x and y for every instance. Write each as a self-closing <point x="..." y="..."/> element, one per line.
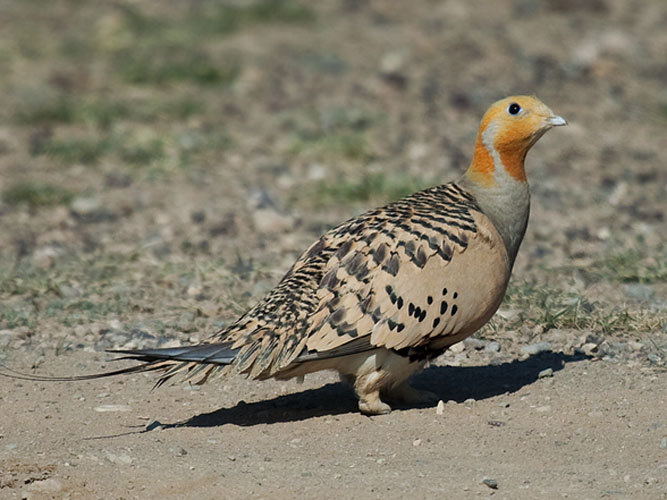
<point x="406" y="394"/>
<point x="371" y="404"/>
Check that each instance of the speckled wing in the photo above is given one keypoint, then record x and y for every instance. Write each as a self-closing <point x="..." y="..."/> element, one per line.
<point x="419" y="275"/>
<point x="427" y="266"/>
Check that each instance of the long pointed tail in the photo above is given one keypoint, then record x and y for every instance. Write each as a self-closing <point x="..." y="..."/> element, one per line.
<point x="215" y="354"/>
<point x="172" y="360"/>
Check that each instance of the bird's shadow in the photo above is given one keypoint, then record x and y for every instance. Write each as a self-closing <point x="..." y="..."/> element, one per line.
<point x="449" y="383"/>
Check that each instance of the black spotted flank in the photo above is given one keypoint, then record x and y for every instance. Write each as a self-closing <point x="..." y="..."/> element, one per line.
<point x="343" y="249"/>
<point x="436" y="322"/>
<point x="444" y="292"/>
<point x="420" y="257"/>
<point x="380" y="253"/>
<point x="362" y="272"/>
<point x="429" y="299"/>
<point x="456" y="294"/>
<point x="454" y="309"/>
<point x="337" y="316"/>
<point x="329" y="280"/>
<point x="353" y="265"/>
<point x="443" y="307"/>
<point x="399" y="303"/>
<point x="411" y="309"/>
<point x="392" y="265"/>
<point x="400" y="328"/>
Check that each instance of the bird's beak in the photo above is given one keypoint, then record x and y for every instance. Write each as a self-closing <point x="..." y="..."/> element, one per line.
<point x="556" y="121"/>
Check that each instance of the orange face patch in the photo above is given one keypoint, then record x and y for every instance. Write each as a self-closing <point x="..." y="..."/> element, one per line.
<point x="512" y="143"/>
<point x="510" y="135"/>
<point x="482" y="168"/>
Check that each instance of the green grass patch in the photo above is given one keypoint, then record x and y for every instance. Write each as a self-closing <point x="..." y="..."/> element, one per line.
<point x="331" y="133"/>
<point x="549" y="307"/>
<point x="142" y="152"/>
<point x="378" y="187"/>
<point x="176" y="64"/>
<point x="180" y="108"/>
<point x="103" y="113"/>
<point x="632" y="267"/>
<point x="215" y="18"/>
<point x="77" y="150"/>
<point x="15" y="315"/>
<point x="157" y="50"/>
<point x="195" y="145"/>
<point x="126" y="287"/>
<point x="36" y="194"/>
<point x="42" y="108"/>
<point x="347" y="144"/>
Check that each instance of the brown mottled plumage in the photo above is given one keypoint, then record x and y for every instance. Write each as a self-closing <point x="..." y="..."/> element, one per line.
<point x="379" y="295"/>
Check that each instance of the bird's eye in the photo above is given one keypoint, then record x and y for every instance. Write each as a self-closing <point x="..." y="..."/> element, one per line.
<point x="513" y="109"/>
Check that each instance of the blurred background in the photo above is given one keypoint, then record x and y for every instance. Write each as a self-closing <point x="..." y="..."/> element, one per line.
<point x="162" y="163"/>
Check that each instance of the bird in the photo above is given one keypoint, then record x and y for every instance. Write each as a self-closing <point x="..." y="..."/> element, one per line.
<point x="382" y="294"/>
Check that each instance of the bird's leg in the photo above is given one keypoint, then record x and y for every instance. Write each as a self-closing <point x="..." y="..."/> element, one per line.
<point x="368" y="388"/>
<point x="405" y="393"/>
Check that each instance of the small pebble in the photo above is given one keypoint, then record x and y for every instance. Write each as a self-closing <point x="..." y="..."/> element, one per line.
<point x="112" y="408"/>
<point x="85" y="206"/>
<point x="536" y="348"/>
<point x="635" y="346"/>
<point x="492" y="346"/>
<point x="198" y="216"/>
<point x="155" y="424"/>
<point x="490" y="482"/>
<point x="5" y="338"/>
<point x="469" y="401"/>
<point x="122" y="459"/>
<point x="458" y="347"/>
<point x="417" y="442"/>
<point x="589" y="348"/>
<point x="393" y="67"/>
<point x="654" y="358"/>
<point x="640" y="292"/>
<point x="504" y="404"/>
<point x="663" y="443"/>
<point x="546" y="373"/>
<point x="47" y="487"/>
<point x="440" y="409"/>
<point x="473" y="343"/>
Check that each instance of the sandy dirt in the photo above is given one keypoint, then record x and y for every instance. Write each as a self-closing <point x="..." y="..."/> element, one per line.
<point x="160" y="173"/>
<point x="593" y="430"/>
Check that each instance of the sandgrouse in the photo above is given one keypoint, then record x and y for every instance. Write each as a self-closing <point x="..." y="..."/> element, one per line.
<point x="378" y="296"/>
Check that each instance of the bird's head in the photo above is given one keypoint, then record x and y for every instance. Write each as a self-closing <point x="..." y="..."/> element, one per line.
<point x="508" y="130"/>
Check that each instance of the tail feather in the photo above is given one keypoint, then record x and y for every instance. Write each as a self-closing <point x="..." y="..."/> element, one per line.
<point x="217" y="354"/>
<point x="146" y="367"/>
<point x="152" y="359"/>
<point x="193" y="360"/>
